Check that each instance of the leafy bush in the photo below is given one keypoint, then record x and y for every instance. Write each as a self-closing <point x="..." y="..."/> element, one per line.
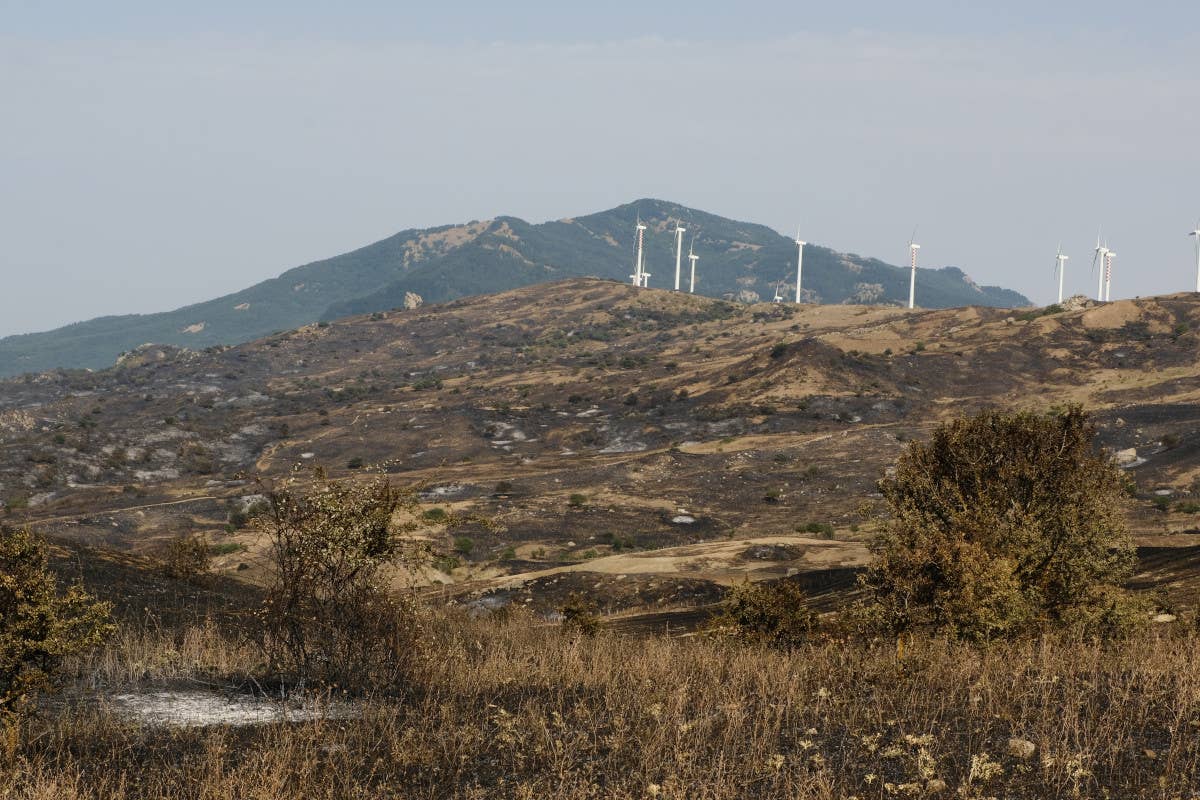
<point x="1002" y="524"/>
<point x="328" y="615"/>
<point x="767" y="613"/>
<point x="577" y="500"/>
<point x="821" y="528"/>
<point x="38" y="627"/>
<point x="463" y="545"/>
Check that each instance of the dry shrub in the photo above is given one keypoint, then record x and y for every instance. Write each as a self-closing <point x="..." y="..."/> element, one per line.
<point x="328" y="617"/>
<point x="188" y="558"/>
<point x="1002" y="524"/>
<point x="773" y="613"/>
<point x="38" y="626"/>
<point x="579" y="615"/>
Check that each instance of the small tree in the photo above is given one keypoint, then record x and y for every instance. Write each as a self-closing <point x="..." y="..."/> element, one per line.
<point x="1002" y="523"/>
<point x="328" y="615"/>
<point x="38" y="626"/>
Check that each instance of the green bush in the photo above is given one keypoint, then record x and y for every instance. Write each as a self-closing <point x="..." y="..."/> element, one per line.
<point x="463" y="545"/>
<point x="435" y="515"/>
<point x="1002" y="524"/>
<point x="39" y="628"/>
<point x="577" y="500"/>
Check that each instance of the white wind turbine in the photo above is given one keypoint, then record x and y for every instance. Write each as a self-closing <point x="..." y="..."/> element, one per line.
<point x="778" y="292"/>
<point x="799" y="262"/>
<point x="692" y="257"/>
<point x="1109" y="255"/>
<point x="636" y="277"/>
<point x="1099" y="259"/>
<point x="679" y="230"/>
<point x="913" y="247"/>
<point x="1196" y="233"/>
<point x="1059" y="266"/>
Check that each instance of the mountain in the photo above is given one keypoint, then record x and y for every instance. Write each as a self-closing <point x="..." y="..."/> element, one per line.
<point x="738" y="261"/>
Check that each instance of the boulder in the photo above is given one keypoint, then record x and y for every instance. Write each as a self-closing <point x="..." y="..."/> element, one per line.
<point x="1021" y="748"/>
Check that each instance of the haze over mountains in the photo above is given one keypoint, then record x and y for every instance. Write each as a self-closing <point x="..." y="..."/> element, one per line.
<point x="738" y="261"/>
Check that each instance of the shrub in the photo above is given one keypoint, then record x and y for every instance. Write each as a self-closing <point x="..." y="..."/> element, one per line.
<point x="328" y="615"/>
<point x="767" y="613"/>
<point x="435" y="515"/>
<point x="354" y="463"/>
<point x="579" y="615"/>
<point x="577" y="500"/>
<point x="188" y="558"/>
<point x="463" y="545"/>
<point x="1003" y="523"/>
<point x="821" y="528"/>
<point x="38" y="626"/>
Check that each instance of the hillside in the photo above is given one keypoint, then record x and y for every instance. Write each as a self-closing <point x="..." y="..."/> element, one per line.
<point x="737" y="261"/>
<point x="648" y="447"/>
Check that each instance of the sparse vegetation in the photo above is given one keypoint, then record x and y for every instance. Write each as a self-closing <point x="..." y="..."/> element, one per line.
<point x="328" y="617"/>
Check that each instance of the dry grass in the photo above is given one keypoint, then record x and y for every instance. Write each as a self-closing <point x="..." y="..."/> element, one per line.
<point x="519" y="711"/>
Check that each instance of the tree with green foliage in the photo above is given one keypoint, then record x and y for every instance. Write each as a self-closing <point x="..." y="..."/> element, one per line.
<point x="1004" y="523"/>
<point x="39" y="627"/>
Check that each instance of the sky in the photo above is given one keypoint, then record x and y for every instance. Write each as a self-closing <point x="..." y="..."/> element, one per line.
<point x="154" y="154"/>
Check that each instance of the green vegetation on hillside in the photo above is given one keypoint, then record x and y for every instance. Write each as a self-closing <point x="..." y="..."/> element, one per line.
<point x="738" y="260"/>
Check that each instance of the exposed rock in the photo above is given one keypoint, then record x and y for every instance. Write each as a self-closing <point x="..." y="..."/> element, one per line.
<point x="1021" y="748"/>
<point x="412" y="300"/>
<point x="1127" y="456"/>
<point x="1163" y="618"/>
<point x="935" y="786"/>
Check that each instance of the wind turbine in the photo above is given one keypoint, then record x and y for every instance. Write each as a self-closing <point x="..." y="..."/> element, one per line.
<point x="778" y="292"/>
<point x="636" y="277"/>
<point x="913" y="247"/>
<point x="1059" y="266"/>
<point x="1196" y="233"/>
<point x="1109" y="255"/>
<point x="799" y="262"/>
<point x="1099" y="258"/>
<point x="692" y="257"/>
<point x="679" y="230"/>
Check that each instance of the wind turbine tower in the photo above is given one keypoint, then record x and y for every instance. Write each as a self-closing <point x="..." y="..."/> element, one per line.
<point x="692" y="257"/>
<point x="913" y="247"/>
<point x="636" y="277"/>
<point x="1099" y="259"/>
<point x="1109" y="255"/>
<point x="1059" y="265"/>
<point x="1196" y="233"/>
<point x="799" y="262"/>
<point x="679" y="229"/>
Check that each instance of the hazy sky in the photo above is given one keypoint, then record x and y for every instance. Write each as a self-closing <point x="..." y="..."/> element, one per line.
<point x="154" y="154"/>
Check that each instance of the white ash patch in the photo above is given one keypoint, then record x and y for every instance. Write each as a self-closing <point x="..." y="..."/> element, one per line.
<point x="150" y="475"/>
<point x="621" y="445"/>
<point x="191" y="709"/>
